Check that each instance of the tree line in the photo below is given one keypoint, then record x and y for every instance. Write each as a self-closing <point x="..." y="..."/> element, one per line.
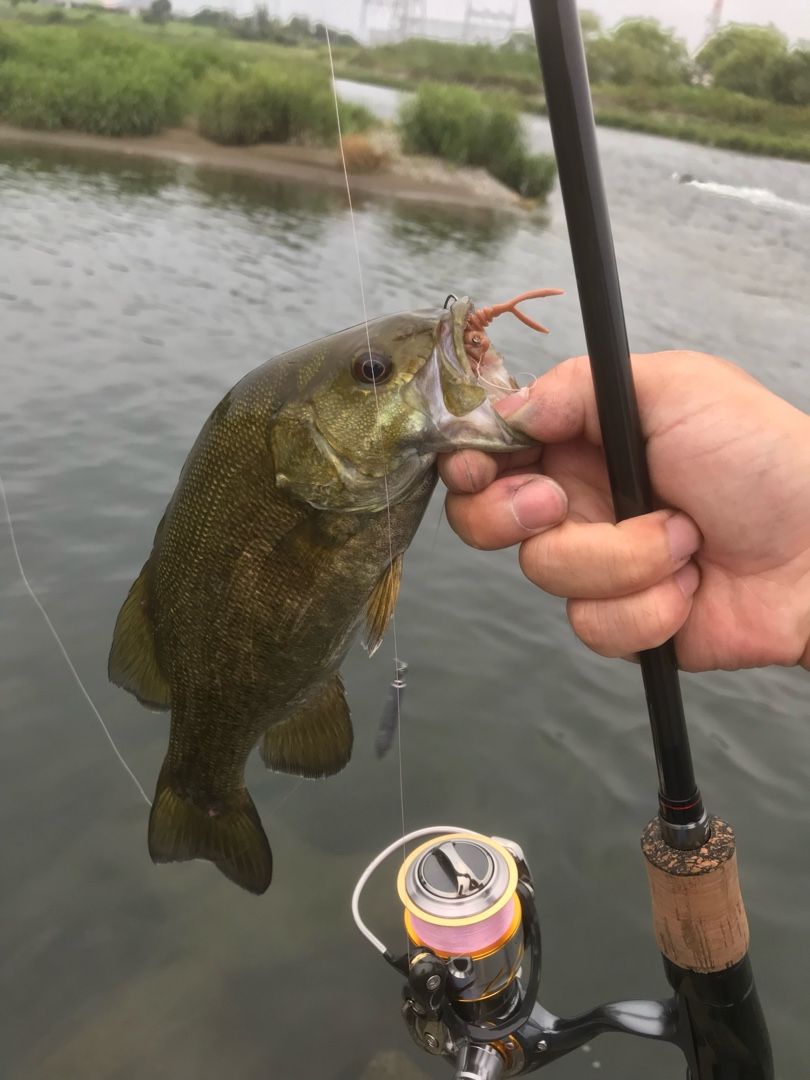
<point x="754" y="60"/>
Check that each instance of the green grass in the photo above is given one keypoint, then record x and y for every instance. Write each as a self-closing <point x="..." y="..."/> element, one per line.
<point x="483" y="66"/>
<point x="467" y="128"/>
<point x="130" y="78"/>
<point x="88" y="79"/>
<point x="711" y="117"/>
<point x="273" y="104"/>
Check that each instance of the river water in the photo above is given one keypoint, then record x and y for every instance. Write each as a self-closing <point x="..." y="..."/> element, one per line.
<point x="131" y="298"/>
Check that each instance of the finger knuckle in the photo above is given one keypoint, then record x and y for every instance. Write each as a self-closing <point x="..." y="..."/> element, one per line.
<point x="592" y="623"/>
<point x="629" y="624"/>
<point x="652" y="618"/>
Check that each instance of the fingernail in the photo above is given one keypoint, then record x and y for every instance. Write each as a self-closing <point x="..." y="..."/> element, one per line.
<point x="688" y="578"/>
<point x="539" y="504"/>
<point x="683" y="535"/>
<point x="513" y="403"/>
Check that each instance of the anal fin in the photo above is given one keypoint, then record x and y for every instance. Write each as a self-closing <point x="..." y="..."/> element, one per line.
<point x="133" y="662"/>
<point x="230" y="835"/>
<point x="381" y="605"/>
<point x="315" y="741"/>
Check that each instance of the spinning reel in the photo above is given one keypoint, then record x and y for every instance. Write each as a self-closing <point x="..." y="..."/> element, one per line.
<point x="472" y="971"/>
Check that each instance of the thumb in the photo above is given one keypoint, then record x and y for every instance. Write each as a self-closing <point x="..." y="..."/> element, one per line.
<point x="558" y="406"/>
<point x="561" y="404"/>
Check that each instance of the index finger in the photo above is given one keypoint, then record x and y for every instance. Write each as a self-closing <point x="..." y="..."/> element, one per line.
<point x="465" y="472"/>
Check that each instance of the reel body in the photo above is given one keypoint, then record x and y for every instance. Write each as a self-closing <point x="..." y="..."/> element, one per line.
<point x="473" y="965"/>
<point x="469" y="917"/>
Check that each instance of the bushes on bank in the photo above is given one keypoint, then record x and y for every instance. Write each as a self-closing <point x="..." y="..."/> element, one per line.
<point x="85" y="81"/>
<point x="463" y="126"/>
<point x="96" y="97"/>
<point x="531" y="175"/>
<point x="121" y="82"/>
<point x="273" y="104"/>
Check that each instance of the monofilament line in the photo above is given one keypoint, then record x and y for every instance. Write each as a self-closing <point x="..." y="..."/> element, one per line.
<point x="62" y="648"/>
<point x="377" y="403"/>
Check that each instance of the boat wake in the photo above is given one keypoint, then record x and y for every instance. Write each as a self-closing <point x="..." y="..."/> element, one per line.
<point x="769" y="200"/>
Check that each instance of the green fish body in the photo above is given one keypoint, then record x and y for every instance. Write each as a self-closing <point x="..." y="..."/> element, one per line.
<point x="286" y="530"/>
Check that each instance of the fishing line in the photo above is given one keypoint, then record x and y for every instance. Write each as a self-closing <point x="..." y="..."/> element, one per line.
<point x="63" y="650"/>
<point x="397" y="662"/>
<point x="505" y="387"/>
<point x="282" y="799"/>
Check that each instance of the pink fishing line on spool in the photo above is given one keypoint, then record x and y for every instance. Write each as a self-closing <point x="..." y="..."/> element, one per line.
<point x="472" y="940"/>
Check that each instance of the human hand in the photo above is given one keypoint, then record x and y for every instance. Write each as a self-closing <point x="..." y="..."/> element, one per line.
<point x="724" y="565"/>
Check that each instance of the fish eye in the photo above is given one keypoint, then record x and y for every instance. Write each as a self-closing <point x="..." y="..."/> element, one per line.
<point x="372" y="368"/>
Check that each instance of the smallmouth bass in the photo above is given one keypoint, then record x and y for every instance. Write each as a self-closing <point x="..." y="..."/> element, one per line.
<point x="286" y="529"/>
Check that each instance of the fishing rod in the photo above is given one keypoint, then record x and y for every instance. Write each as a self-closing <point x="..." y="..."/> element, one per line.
<point x="473" y="962"/>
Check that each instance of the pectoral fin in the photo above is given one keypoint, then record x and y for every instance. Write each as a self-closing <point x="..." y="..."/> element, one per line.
<point x="133" y="662"/>
<point x="228" y="835"/>
<point x="317" y="740"/>
<point x="381" y="605"/>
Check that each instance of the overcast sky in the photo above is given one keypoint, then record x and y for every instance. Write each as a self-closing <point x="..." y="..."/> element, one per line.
<point x="688" y="17"/>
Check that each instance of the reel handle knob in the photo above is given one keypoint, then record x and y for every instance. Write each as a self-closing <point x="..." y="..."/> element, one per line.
<point x="427" y="980"/>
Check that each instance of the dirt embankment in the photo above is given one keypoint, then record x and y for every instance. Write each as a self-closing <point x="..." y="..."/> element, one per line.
<point x="425" y="180"/>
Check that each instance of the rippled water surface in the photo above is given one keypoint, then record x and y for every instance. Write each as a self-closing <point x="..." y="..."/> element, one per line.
<point x="131" y="298"/>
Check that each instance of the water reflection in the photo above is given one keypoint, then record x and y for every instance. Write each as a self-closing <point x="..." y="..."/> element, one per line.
<point x="253" y="194"/>
<point x="95" y="169"/>
<point x="425" y="230"/>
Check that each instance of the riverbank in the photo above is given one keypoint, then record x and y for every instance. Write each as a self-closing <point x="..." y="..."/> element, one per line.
<point x="689" y="114"/>
<point x="124" y="77"/>
<point x="402" y="177"/>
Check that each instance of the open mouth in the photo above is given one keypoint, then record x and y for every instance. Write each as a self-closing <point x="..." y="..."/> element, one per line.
<point x="472" y="347"/>
<point x="457" y="390"/>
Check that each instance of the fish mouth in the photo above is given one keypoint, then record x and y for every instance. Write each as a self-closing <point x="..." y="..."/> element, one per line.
<point x="475" y="354"/>
<point x="459" y="386"/>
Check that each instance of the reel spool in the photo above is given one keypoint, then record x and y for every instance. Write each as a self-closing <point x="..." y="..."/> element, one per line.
<point x="460" y="900"/>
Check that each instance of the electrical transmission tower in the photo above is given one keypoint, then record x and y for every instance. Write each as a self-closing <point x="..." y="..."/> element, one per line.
<point x="499" y="22"/>
<point x="404" y="18"/>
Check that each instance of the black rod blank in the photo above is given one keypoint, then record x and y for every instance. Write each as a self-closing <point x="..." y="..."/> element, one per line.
<point x="562" y="60"/>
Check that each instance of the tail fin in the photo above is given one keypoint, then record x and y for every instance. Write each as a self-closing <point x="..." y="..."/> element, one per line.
<point x="232" y="839"/>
